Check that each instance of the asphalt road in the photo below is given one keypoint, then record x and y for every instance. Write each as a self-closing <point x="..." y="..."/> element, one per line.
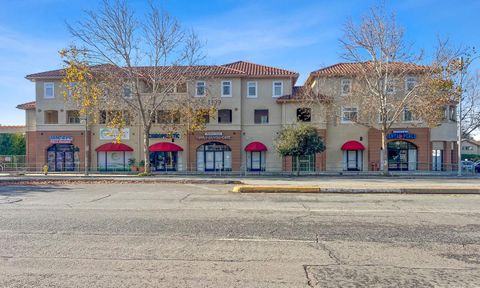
<point x="156" y="235"/>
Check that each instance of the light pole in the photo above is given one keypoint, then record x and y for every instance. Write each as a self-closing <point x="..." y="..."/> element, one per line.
<point x="459" y="122"/>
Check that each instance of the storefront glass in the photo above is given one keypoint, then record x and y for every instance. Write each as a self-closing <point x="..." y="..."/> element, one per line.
<point x="63" y="157"/>
<point x="352" y="160"/>
<point x="113" y="160"/>
<point x="402" y="156"/>
<point x="164" y="161"/>
<point x="214" y="156"/>
<point x="256" y="161"/>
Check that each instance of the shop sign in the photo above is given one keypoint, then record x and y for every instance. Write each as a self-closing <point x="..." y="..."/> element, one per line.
<point x="175" y="135"/>
<point x="60" y="139"/>
<point x="213" y="136"/>
<point x="401" y="134"/>
<point x="112" y="133"/>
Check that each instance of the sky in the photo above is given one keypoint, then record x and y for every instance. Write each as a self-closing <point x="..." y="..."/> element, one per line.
<point x="298" y="35"/>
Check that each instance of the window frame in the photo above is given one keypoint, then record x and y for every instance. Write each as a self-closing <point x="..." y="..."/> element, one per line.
<point x="231" y="86"/>
<point x="256" y="89"/>
<point x="342" y="93"/>
<point x="45" y="117"/>
<point x="260" y="122"/>
<point x="391" y="83"/>
<point x="404" y="113"/>
<point x="45" y="84"/>
<point x="204" y="88"/>
<point x="342" y="120"/>
<point x="281" y="88"/>
<point x="73" y="117"/>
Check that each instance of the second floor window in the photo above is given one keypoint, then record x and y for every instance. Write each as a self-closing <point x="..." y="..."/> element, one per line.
<point x="304" y="114"/>
<point x="277" y="88"/>
<point x="346" y="86"/>
<point x="452" y="113"/>
<point x="226" y="88"/>
<point x="200" y="88"/>
<point x="349" y="114"/>
<point x="407" y="115"/>
<point x="224" y="116"/>
<point x="167" y="117"/>
<point x="51" y="117"/>
<point x="48" y="90"/>
<point x="252" y="89"/>
<point x="73" y="117"/>
<point x="261" y="116"/>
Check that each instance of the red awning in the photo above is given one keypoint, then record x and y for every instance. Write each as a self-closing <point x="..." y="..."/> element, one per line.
<point x="165" y="147"/>
<point x="110" y="147"/>
<point x="353" y="145"/>
<point x="256" y="147"/>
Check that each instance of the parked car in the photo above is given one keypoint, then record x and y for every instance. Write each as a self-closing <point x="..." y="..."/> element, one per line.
<point x="477" y="166"/>
<point x="468" y="166"/>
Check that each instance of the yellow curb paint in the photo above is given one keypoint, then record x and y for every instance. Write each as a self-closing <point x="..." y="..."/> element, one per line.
<point x="276" y="189"/>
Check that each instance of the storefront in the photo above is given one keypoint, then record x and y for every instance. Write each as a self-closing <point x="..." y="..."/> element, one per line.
<point x="255" y="154"/>
<point x="402" y="156"/>
<point x="165" y="157"/>
<point x="214" y="156"/>
<point x="63" y="157"/>
<point x="113" y="157"/>
<point x="352" y="155"/>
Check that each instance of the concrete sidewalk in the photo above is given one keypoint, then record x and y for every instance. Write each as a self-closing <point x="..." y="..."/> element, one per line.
<point x="327" y="184"/>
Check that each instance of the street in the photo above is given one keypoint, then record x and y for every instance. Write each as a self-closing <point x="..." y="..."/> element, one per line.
<point x="197" y="235"/>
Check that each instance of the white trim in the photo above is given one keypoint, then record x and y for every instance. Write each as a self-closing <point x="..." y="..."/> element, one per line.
<point x="273" y="88"/>
<point x="204" y="88"/>
<point x="256" y="89"/>
<point x="45" y="90"/>
<point x="231" y="86"/>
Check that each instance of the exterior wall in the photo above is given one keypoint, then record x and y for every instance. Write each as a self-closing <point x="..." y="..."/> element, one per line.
<point x="338" y="135"/>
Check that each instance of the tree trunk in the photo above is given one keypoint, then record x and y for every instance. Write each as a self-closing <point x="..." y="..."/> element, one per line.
<point x="384" y="154"/>
<point x="146" y="152"/>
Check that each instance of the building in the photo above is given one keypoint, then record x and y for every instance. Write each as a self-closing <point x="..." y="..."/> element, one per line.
<point x="471" y="147"/>
<point x="256" y="102"/>
<point x="12" y="129"/>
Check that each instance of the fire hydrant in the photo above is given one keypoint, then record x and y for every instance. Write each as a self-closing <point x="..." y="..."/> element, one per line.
<point x="45" y="169"/>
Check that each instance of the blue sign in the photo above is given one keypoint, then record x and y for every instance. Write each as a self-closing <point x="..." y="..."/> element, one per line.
<point x="401" y="134"/>
<point x="175" y="135"/>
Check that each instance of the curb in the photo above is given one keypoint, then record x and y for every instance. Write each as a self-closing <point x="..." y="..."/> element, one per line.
<point x="316" y="189"/>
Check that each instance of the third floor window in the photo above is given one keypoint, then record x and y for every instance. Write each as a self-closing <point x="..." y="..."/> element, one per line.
<point x="48" y="90"/>
<point x="200" y="88"/>
<point x="346" y="86"/>
<point x="277" y="88"/>
<point x="226" y="88"/>
<point x="252" y="89"/>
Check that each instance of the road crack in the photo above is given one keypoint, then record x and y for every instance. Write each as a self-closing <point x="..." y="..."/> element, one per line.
<point x="101" y="198"/>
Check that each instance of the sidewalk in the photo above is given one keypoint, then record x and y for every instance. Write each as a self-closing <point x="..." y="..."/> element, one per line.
<point x="327" y="184"/>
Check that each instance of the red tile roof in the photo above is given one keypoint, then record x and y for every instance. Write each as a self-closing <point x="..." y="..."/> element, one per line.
<point x="12" y="126"/>
<point x="341" y="69"/>
<point x="27" y="106"/>
<point x="239" y="68"/>
<point x="252" y="69"/>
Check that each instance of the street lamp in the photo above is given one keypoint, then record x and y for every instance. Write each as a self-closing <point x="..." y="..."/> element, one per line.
<point x="84" y="121"/>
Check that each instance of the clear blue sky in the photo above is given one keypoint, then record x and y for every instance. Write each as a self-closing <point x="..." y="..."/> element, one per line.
<point x="300" y="35"/>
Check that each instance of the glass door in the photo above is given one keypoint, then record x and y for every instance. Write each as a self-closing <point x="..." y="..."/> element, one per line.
<point x="209" y="160"/>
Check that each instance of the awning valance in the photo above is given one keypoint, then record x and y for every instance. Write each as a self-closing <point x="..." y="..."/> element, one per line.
<point x="256" y="147"/>
<point x="110" y="147"/>
<point x="353" y="145"/>
<point x="165" y="147"/>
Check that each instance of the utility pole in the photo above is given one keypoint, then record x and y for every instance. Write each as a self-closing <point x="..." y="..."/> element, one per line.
<point x="459" y="121"/>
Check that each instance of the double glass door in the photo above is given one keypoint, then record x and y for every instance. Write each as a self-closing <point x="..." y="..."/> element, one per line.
<point x="214" y="156"/>
<point x="164" y="161"/>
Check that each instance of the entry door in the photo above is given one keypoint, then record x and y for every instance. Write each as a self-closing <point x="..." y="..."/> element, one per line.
<point x="352" y="160"/>
<point x="209" y="161"/>
<point x="256" y="160"/>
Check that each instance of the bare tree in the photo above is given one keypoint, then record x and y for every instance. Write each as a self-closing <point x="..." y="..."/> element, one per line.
<point x="470" y="114"/>
<point x="387" y="81"/>
<point x="142" y="65"/>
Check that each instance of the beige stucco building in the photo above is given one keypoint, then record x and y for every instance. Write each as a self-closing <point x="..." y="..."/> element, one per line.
<point x="256" y="102"/>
